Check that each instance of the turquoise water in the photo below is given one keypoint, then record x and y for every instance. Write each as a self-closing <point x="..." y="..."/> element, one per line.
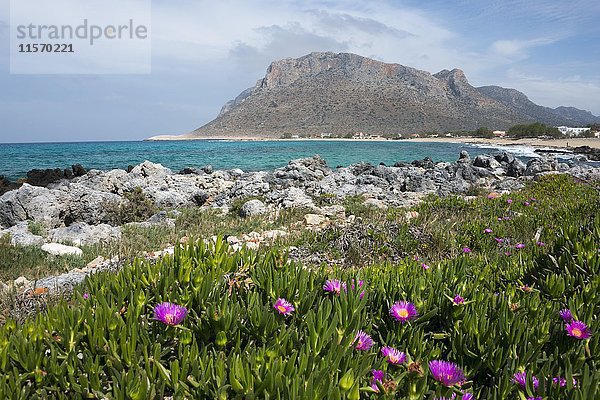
<point x="17" y="159"/>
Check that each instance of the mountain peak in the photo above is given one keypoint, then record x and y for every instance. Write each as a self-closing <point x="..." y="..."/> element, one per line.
<point x="344" y="93"/>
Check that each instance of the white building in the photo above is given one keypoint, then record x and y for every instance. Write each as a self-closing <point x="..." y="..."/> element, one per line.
<point x="567" y="130"/>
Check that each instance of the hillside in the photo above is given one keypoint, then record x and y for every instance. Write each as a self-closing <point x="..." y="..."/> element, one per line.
<point x="345" y="93"/>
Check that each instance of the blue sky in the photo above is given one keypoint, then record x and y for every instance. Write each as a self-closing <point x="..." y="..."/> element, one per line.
<point x="205" y="53"/>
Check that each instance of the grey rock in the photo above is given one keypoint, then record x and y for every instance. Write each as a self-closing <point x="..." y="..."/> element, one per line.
<point x="485" y="161"/>
<point x="208" y="169"/>
<point x="32" y="203"/>
<point x="21" y="236"/>
<point x="80" y="234"/>
<point x="252" y="208"/>
<point x="539" y="165"/>
<point x="515" y="168"/>
<point x="509" y="184"/>
<point x="159" y="219"/>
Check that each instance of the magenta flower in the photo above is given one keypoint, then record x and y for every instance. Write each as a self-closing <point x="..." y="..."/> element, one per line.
<point x="283" y="307"/>
<point x="578" y="330"/>
<point x="169" y="313"/>
<point x="363" y="341"/>
<point x="535" y="398"/>
<point x="526" y="203"/>
<point x="334" y="286"/>
<point x="360" y="285"/>
<point x="394" y="356"/>
<point x="499" y="218"/>
<point x="403" y="311"/>
<point x="540" y="244"/>
<point x="86" y="296"/>
<point x="425" y="266"/>
<point x="507" y="253"/>
<point x="506" y="218"/>
<point x="448" y="373"/>
<point x="566" y="315"/>
<point x="520" y="246"/>
<point x="468" y="396"/>
<point x="499" y="240"/>
<point x="458" y="300"/>
<point x="562" y="382"/>
<point x="487" y="230"/>
<point x="520" y="378"/>
<point x="466" y="250"/>
<point x="509" y="201"/>
<point x="378" y="376"/>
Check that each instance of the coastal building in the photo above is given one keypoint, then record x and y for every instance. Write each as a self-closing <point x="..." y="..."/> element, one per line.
<point x="499" y="134"/>
<point x="570" y="131"/>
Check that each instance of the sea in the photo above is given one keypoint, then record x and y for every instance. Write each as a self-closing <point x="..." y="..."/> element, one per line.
<point x="17" y="159"/>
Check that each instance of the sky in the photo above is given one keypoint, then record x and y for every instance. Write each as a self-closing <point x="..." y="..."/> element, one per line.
<point x="205" y="53"/>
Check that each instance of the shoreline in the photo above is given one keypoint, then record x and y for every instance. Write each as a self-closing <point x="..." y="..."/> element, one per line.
<point x="566" y="143"/>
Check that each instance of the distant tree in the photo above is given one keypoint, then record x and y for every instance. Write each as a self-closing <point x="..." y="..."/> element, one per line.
<point x="587" y="134"/>
<point x="484" y="133"/>
<point x="594" y="127"/>
<point x="536" y="129"/>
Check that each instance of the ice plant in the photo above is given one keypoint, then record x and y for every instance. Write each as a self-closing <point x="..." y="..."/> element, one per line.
<point x="334" y="286"/>
<point x="535" y="398"/>
<point x="86" y="296"/>
<point x="540" y="244"/>
<point x="362" y="341"/>
<point x="458" y="299"/>
<point x="283" y="306"/>
<point x="169" y="313"/>
<point x="403" y="311"/>
<point x="562" y="382"/>
<point x="360" y="285"/>
<point x="509" y="201"/>
<point x="578" y="330"/>
<point x="393" y="356"/>
<point x="499" y="240"/>
<point x="520" y="246"/>
<point x="424" y="266"/>
<point x="468" y="396"/>
<point x="566" y="315"/>
<point x="378" y="376"/>
<point x="526" y="203"/>
<point x="487" y="230"/>
<point x="448" y="373"/>
<point x="520" y="378"/>
<point x="466" y="250"/>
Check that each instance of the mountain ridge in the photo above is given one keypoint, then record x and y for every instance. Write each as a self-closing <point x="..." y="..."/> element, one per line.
<point x="344" y="93"/>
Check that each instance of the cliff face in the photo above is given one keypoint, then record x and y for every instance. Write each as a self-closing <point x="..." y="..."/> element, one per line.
<point x="346" y="93"/>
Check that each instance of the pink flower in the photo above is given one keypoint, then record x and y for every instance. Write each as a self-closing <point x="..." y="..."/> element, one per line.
<point x="86" y="296"/>
<point x="499" y="240"/>
<point x="403" y="311"/>
<point x="520" y="246"/>
<point x="283" y="307"/>
<point x="458" y="300"/>
<point x="509" y="201"/>
<point x="540" y="244"/>
<point x="425" y="266"/>
<point x="487" y="230"/>
<point x="466" y="250"/>
<point x="394" y="356"/>
<point x="378" y="376"/>
<point x="334" y="286"/>
<point x="363" y="341"/>
<point x="578" y="330"/>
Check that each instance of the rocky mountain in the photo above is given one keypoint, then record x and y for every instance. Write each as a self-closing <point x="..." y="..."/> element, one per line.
<point x="345" y="93"/>
<point x="516" y="100"/>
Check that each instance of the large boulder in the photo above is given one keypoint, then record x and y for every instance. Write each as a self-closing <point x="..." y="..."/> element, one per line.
<point x="252" y="208"/>
<point x="21" y="236"/>
<point x="515" y="168"/>
<point x="538" y="165"/>
<point x="81" y="233"/>
<point x="33" y="203"/>
<point x="86" y="205"/>
<point x="57" y="249"/>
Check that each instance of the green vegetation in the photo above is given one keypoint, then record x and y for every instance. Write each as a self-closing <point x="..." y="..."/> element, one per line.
<point x="234" y="344"/>
<point x="533" y="130"/>
<point x="137" y="208"/>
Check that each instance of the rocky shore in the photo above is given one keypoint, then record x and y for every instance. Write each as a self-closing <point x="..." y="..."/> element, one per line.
<point x="79" y="209"/>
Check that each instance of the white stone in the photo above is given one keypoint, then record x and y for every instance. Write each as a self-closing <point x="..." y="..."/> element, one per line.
<point x="57" y="249"/>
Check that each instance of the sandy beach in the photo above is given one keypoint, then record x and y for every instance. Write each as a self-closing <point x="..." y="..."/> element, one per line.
<point x="565" y="143"/>
<point x="557" y="143"/>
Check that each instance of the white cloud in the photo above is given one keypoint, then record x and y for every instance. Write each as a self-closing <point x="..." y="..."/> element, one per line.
<point x="517" y="48"/>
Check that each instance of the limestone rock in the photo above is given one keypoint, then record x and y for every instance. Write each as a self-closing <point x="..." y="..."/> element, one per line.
<point x="57" y="249"/>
